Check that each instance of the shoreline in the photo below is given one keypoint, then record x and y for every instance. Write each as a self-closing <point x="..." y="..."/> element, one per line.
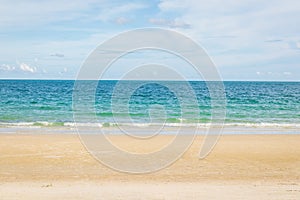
<point x="167" y="130"/>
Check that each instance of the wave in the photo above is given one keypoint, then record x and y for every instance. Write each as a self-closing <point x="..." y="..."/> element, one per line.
<point x="40" y="124"/>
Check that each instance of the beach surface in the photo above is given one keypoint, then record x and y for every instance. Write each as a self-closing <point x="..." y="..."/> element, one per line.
<point x="57" y="166"/>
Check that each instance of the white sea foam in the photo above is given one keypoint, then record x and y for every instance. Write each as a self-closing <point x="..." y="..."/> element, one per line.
<point x="39" y="124"/>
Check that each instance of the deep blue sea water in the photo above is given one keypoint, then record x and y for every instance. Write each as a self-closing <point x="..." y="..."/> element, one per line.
<point x="49" y="103"/>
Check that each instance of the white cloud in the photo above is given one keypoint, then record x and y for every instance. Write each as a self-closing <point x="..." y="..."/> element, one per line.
<point x="57" y="55"/>
<point x="6" y="67"/>
<point x="32" y="12"/>
<point x="63" y="71"/>
<point x="242" y="34"/>
<point x="169" y="23"/>
<point x="26" y="68"/>
<point x="122" y="20"/>
<point x="247" y="19"/>
<point x="109" y="12"/>
<point x="20" y="14"/>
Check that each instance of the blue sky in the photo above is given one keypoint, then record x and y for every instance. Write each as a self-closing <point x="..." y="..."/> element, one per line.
<point x="247" y="40"/>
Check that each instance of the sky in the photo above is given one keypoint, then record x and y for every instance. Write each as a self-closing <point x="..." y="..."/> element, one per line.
<point x="247" y="39"/>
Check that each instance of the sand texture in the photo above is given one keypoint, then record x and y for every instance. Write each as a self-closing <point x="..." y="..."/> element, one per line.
<point x="52" y="166"/>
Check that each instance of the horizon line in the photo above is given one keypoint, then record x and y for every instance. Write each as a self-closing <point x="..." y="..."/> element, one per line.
<point x="36" y="79"/>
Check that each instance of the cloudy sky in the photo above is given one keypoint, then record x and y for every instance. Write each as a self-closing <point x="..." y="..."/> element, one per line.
<point x="247" y="39"/>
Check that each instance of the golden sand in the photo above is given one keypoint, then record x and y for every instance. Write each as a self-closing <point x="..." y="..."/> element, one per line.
<point x="58" y="166"/>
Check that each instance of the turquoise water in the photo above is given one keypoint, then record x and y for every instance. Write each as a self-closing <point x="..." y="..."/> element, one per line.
<point x="49" y="103"/>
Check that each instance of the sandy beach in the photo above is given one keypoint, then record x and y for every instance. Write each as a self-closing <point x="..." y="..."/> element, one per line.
<point x="149" y="100"/>
<point x="240" y="167"/>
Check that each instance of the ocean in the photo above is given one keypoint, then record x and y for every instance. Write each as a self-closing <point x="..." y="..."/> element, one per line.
<point x="48" y="103"/>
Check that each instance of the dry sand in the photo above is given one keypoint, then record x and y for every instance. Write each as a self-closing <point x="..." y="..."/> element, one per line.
<point x="240" y="167"/>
